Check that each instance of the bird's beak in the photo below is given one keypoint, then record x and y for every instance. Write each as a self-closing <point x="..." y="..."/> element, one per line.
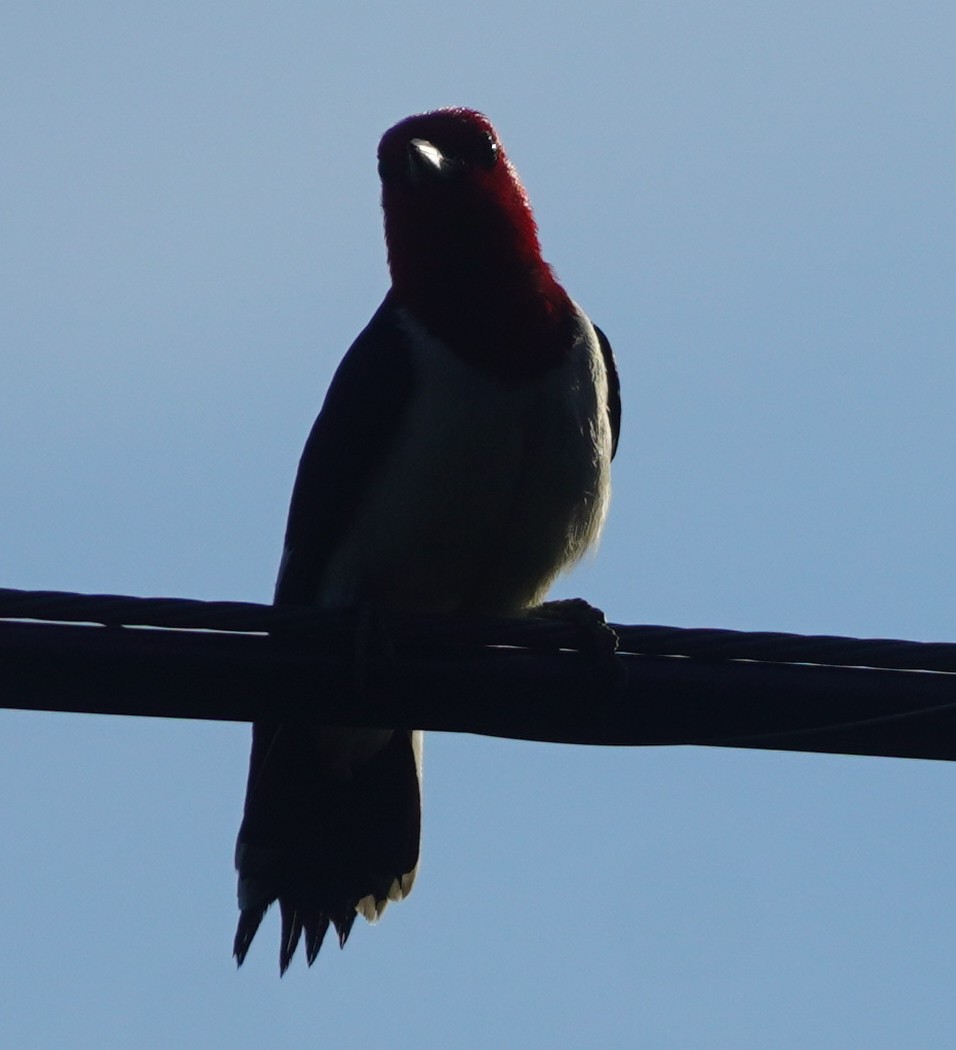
<point x="425" y="160"/>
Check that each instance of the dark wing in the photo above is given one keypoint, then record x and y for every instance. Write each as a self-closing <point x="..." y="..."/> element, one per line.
<point x="613" y="389"/>
<point x="362" y="409"/>
<point x="349" y="439"/>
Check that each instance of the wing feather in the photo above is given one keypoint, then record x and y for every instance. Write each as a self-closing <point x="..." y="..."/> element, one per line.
<point x="348" y="442"/>
<point x="613" y="388"/>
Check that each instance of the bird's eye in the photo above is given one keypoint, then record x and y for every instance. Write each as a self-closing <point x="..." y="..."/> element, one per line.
<point x="487" y="151"/>
<point x="474" y="150"/>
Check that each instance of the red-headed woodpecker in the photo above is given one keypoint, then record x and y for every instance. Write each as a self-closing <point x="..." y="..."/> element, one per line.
<point x="460" y="462"/>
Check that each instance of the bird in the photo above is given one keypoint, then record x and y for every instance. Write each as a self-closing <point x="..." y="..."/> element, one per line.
<point x="459" y="463"/>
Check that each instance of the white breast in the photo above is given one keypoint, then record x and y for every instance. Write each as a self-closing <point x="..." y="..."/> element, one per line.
<point x="492" y="488"/>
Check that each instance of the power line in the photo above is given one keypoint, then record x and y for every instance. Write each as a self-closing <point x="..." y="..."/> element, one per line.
<point x="524" y="679"/>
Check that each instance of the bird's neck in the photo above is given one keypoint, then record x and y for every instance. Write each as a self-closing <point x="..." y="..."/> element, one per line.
<point x="508" y="319"/>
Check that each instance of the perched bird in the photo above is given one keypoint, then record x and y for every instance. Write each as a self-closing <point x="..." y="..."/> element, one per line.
<point x="461" y="460"/>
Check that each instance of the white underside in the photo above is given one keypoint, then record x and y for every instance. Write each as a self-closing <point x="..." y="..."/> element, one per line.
<point x="493" y="489"/>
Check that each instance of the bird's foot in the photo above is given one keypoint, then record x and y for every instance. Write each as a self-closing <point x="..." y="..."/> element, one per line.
<point x="597" y="640"/>
<point x="596" y="637"/>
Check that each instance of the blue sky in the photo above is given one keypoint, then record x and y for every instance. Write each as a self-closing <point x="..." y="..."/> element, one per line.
<point x="755" y="202"/>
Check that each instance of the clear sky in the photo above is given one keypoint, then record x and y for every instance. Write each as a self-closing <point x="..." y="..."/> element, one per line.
<point x="755" y="201"/>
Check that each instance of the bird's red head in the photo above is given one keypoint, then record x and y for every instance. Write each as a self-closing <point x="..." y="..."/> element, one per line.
<point x="462" y="242"/>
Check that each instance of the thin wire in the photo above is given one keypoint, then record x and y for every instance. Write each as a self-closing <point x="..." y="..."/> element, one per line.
<point x="737" y="739"/>
<point x="703" y="644"/>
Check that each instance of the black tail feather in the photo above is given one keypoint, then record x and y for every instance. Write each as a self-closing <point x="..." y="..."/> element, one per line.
<point x="315" y="930"/>
<point x="343" y="921"/>
<point x="291" y="932"/>
<point x="294" y="923"/>
<point x="249" y="921"/>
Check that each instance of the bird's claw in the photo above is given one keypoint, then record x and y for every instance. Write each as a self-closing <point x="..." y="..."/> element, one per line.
<point x="597" y="639"/>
